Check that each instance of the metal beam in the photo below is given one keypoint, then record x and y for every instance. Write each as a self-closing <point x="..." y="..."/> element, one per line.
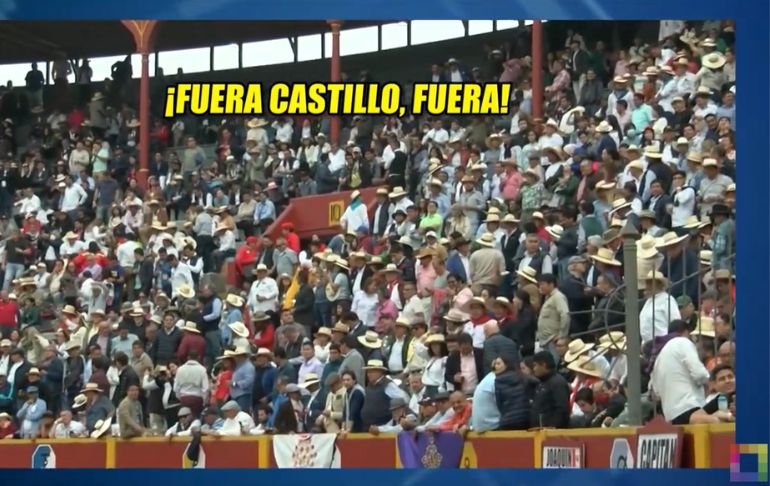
<point x="211" y="58"/>
<point x="466" y="27"/>
<point x="294" y="48"/>
<point x="633" y="337"/>
<point x="408" y="32"/>
<point x="379" y="37"/>
<point x="240" y="55"/>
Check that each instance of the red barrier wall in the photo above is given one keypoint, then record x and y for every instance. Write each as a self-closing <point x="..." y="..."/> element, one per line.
<point x="703" y="447"/>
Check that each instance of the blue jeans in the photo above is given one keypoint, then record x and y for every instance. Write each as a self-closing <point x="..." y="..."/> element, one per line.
<point x="12" y="272"/>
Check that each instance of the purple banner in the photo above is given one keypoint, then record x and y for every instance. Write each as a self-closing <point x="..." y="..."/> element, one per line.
<point x="430" y="450"/>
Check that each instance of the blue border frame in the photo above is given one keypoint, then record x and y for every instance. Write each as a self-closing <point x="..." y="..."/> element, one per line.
<point x="753" y="53"/>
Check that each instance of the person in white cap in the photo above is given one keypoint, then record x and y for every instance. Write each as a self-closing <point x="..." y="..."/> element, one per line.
<point x="186" y="424"/>
<point x="65" y="427"/>
<point x="236" y="422"/>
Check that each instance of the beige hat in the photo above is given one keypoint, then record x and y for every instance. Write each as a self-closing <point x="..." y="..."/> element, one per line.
<point x="710" y="163"/>
<point x="234" y="300"/>
<point x="403" y="321"/>
<point x="585" y="365"/>
<point x="91" y="387"/>
<point x="101" y="427"/>
<point x="191" y="327"/>
<point x="355" y="194"/>
<point x="435" y="338"/>
<point x="605" y="185"/>
<point x="375" y="364"/>
<point x="69" y="310"/>
<point x="340" y="327"/>
<point x="186" y="292"/>
<point x="397" y="191"/>
<point x="730" y="188"/>
<point x="324" y="331"/>
<point x="555" y="231"/>
<point x="705" y="257"/>
<point x="310" y="380"/>
<point x="382" y="191"/>
<point x="370" y="340"/>
<point x="528" y="273"/>
<point x="575" y="348"/>
<point x="456" y="315"/>
<point x="713" y="60"/>
<point x="230" y="353"/>
<point x="692" y="222"/>
<point x="704" y="327"/>
<point x="670" y="239"/>
<point x="614" y="340"/>
<point x="79" y="401"/>
<point x="656" y="275"/>
<point x="646" y="248"/>
<point x="620" y="203"/>
<point x="239" y="329"/>
<point x="256" y="123"/>
<point x="604" y="127"/>
<point x="652" y="152"/>
<point x="492" y="217"/>
<point x="510" y="218"/>
<point x="263" y="352"/>
<point x="487" y="240"/>
<point x="538" y="215"/>
<point x="605" y="255"/>
<point x="263" y="268"/>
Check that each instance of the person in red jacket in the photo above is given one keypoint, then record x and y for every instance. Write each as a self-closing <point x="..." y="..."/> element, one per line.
<point x="191" y="339"/>
<point x="292" y="239"/>
<point x="9" y="315"/>
<point x="246" y="256"/>
<point x="264" y="332"/>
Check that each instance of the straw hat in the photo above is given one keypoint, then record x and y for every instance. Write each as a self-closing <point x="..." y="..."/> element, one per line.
<point x="620" y="203"/>
<point x="533" y="173"/>
<point x="493" y="217"/>
<point x="586" y="366"/>
<point x="382" y="191"/>
<point x="652" y="152"/>
<point x="646" y="248"/>
<point x="614" y="340"/>
<point x="91" y="387"/>
<point x="239" y="329"/>
<point x="705" y="257"/>
<point x="655" y="275"/>
<point x="555" y="231"/>
<point x="341" y="262"/>
<point x="455" y="315"/>
<point x="256" y="123"/>
<point x="358" y="254"/>
<point x="556" y="151"/>
<point x="503" y="302"/>
<point x="234" y="300"/>
<point x="605" y="185"/>
<point x="605" y="255"/>
<point x="324" y="331"/>
<point x="370" y="340"/>
<point x="709" y="162"/>
<point x="355" y="194"/>
<point x="187" y="292"/>
<point x="730" y="188"/>
<point x="259" y="316"/>
<point x="692" y="222"/>
<point x="528" y="273"/>
<point x="487" y="240"/>
<point x="510" y="218"/>
<point x="636" y="164"/>
<point x="191" y="327"/>
<point x="605" y="127"/>
<point x="723" y="274"/>
<point x="617" y="223"/>
<point x="538" y="215"/>
<point x="79" y="401"/>
<point x="397" y="191"/>
<point x="310" y="380"/>
<point x="403" y="321"/>
<point x="69" y="310"/>
<point x="390" y="268"/>
<point x="263" y="352"/>
<point x="375" y="364"/>
<point x="704" y="327"/>
<point x="576" y="348"/>
<point x="340" y="327"/>
<point x="263" y="268"/>
<point x="239" y="351"/>
<point x="101" y="427"/>
<point x="670" y="239"/>
<point x="713" y="60"/>
<point x="478" y="301"/>
<point x="435" y="338"/>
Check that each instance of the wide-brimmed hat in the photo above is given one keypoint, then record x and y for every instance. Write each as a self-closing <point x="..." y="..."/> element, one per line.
<point x="91" y="387"/>
<point x="713" y="60"/>
<point x="575" y="348"/>
<point x="426" y="252"/>
<point x="605" y="255"/>
<point x="375" y="364"/>
<point x="340" y="327"/>
<point x="239" y="329"/>
<point x="528" y="273"/>
<point x="403" y="321"/>
<point x="390" y="268"/>
<point x="73" y="344"/>
<point x="614" y="340"/>
<point x="324" y="331"/>
<point x="617" y="223"/>
<point x="692" y="222"/>
<point x="705" y="327"/>
<point x="101" y="427"/>
<point x="493" y="217"/>
<point x="234" y="300"/>
<point x="605" y="185"/>
<point x="510" y="218"/>
<point x="397" y="191"/>
<point x="370" y="340"/>
<point x="487" y="240"/>
<point x="604" y="127"/>
<point x="636" y="164"/>
<point x="310" y="380"/>
<point x="705" y="257"/>
<point x="185" y="291"/>
<point x="723" y="274"/>
<point x="533" y="173"/>
<point x="477" y="301"/>
<point x="730" y="187"/>
<point x="232" y="353"/>
<point x="133" y="123"/>
<point x="340" y="262"/>
<point x="256" y="123"/>
<point x="382" y="191"/>
<point x="263" y="352"/>
<point x="259" y="316"/>
<point x="655" y="275"/>
<point x="670" y="239"/>
<point x="586" y="366"/>
<point x="493" y="137"/>
<point x="620" y="203"/>
<point x="435" y="338"/>
<point x="555" y="231"/>
<point x="190" y="326"/>
<point x="69" y="310"/>
<point x="503" y="302"/>
<point x="652" y="152"/>
<point x="456" y="315"/>
<point x="79" y="401"/>
<point x="646" y="247"/>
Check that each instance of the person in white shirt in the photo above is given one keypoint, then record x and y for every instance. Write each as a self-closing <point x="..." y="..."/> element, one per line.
<point x="263" y="294"/>
<point x="30" y="203"/>
<point x="64" y="427"/>
<point x="134" y="217"/>
<point x="191" y="382"/>
<point x="71" y="246"/>
<point x="180" y="276"/>
<point x="389" y="152"/>
<point x="185" y="425"/>
<point x="74" y="197"/>
<point x="679" y="378"/>
<point x="684" y="200"/>
<point x="550" y="138"/>
<point x="336" y="159"/>
<point x="79" y="159"/>
<point x="356" y="215"/>
<point x="125" y="253"/>
<point x="236" y="422"/>
<point x="226" y="248"/>
<point x="659" y="309"/>
<point x="284" y="130"/>
<point x="685" y="80"/>
<point x="436" y="136"/>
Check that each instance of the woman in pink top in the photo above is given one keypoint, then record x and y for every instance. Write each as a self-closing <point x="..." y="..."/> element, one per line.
<point x="511" y="181"/>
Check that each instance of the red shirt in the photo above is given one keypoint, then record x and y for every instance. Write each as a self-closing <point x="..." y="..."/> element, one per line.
<point x="292" y="241"/>
<point x="75" y="119"/>
<point x="222" y="389"/>
<point x="458" y="419"/>
<point x="190" y="341"/>
<point x="266" y="338"/>
<point x="244" y="257"/>
<point x="9" y="311"/>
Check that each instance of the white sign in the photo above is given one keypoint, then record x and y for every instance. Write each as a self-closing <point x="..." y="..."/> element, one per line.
<point x="657" y="451"/>
<point x="621" y="456"/>
<point x="562" y="457"/>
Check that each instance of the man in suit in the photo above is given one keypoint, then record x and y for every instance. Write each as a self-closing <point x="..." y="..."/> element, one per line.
<point x="661" y="204"/>
<point x="352" y="360"/>
<point x="465" y="380"/>
<point x="458" y="264"/>
<point x="18" y="367"/>
<point x="126" y="377"/>
<point x="510" y="241"/>
<point x="381" y="217"/>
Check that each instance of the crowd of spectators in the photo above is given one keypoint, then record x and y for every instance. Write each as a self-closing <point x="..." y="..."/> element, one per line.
<point x="483" y="291"/>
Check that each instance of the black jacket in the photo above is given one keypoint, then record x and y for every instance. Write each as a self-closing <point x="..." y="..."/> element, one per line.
<point x="453" y="367"/>
<point x="550" y="406"/>
<point x="379" y="228"/>
<point x="524" y="329"/>
<point x="512" y="400"/>
<point x="499" y="346"/>
<point x="166" y="345"/>
<point x="127" y="378"/>
<point x="303" y="306"/>
<point x="579" y="303"/>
